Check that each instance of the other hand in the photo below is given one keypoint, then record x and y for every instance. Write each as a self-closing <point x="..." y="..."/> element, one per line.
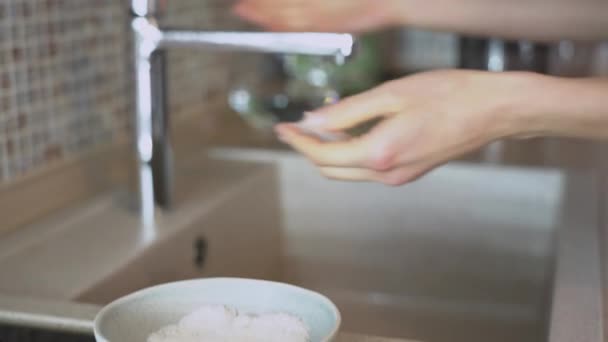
<point x="319" y="15"/>
<point x="427" y="120"/>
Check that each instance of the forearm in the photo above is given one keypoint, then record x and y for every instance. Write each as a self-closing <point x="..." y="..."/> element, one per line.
<point x="552" y="106"/>
<point x="541" y="20"/>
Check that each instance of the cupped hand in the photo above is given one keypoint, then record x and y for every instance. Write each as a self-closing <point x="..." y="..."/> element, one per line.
<point x="426" y="120"/>
<point x="319" y="15"/>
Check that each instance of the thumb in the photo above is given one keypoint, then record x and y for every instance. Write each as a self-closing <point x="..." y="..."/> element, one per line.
<point x="353" y="111"/>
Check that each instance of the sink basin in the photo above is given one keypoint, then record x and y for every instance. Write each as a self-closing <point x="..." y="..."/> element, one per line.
<point x="465" y="254"/>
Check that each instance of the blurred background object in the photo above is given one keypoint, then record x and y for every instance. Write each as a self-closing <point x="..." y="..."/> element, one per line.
<point x="293" y="84"/>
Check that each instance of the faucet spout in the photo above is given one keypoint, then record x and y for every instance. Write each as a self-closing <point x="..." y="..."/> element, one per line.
<point x="321" y="44"/>
<point x="153" y="148"/>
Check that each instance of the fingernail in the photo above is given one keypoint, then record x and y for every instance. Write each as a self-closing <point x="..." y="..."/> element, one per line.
<point x="280" y="127"/>
<point x="280" y="131"/>
<point x="239" y="8"/>
<point x="313" y="119"/>
<point x="332" y="136"/>
<point x="282" y="138"/>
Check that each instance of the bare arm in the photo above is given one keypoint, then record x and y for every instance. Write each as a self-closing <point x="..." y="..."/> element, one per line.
<point x="564" y="107"/>
<point x="529" y="19"/>
<point x="543" y="20"/>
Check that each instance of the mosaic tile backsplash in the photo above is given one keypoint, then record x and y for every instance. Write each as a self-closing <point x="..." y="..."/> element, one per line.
<point x="65" y="80"/>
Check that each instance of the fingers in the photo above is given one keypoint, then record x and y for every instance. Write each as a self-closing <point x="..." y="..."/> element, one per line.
<point x="379" y="156"/>
<point x="396" y="177"/>
<point x="290" y="16"/>
<point x="343" y="153"/>
<point x="253" y="13"/>
<point x="351" y="174"/>
<point x="245" y="12"/>
<point x="354" y="110"/>
<point x="380" y="149"/>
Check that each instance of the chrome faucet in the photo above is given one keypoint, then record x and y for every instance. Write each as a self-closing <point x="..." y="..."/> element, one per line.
<point x="153" y="148"/>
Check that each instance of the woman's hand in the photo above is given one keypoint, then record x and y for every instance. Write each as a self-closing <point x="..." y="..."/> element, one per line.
<point x="428" y="119"/>
<point x="319" y="15"/>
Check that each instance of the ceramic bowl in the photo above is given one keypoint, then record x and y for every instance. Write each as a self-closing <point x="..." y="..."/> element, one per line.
<point x="134" y="317"/>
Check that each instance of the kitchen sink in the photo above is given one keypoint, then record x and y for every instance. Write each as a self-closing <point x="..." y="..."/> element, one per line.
<point x="21" y="334"/>
<point x="465" y="254"/>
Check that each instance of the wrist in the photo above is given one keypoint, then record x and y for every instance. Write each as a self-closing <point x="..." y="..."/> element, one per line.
<point x="552" y="106"/>
<point x="504" y="112"/>
<point x="526" y="104"/>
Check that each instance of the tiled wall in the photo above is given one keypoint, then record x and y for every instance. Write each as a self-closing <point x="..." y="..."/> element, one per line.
<point x="65" y="81"/>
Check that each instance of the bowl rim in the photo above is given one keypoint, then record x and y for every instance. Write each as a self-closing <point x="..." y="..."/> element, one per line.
<point x="122" y="300"/>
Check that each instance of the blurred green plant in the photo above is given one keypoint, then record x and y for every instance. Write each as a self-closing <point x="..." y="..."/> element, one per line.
<point x="358" y="74"/>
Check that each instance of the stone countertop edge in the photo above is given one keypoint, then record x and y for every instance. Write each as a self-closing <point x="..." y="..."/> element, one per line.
<point x="78" y="318"/>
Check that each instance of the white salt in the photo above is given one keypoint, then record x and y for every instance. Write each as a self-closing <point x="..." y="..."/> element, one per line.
<point x="218" y="323"/>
